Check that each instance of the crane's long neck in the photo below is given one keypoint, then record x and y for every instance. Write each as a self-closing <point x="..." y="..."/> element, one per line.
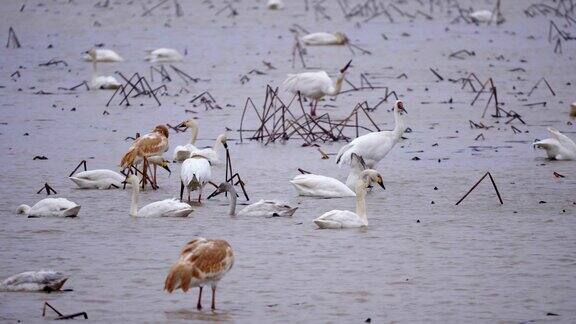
<point x="338" y="86"/>
<point x="361" y="201"/>
<point x="233" y="199"/>
<point x="400" y="126"/>
<point x="194" y="135"/>
<point x="217" y="145"/>
<point x="134" y="204"/>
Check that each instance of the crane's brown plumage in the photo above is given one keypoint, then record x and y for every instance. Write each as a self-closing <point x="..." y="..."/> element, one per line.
<point x="202" y="262"/>
<point x="151" y="144"/>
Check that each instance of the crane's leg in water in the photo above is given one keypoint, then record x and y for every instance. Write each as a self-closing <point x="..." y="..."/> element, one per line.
<point x="199" y="304"/>
<point x="213" y="297"/>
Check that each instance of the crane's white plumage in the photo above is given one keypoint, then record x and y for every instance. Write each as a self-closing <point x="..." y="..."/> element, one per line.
<point x="33" y="281"/>
<point x="98" y="179"/>
<point x="558" y="147"/>
<point x="315" y="185"/>
<point x="374" y="146"/>
<point x="268" y="208"/>
<point x="50" y="207"/>
<point x="103" y="55"/>
<point x="335" y="219"/>
<point x="162" y="208"/>
<point x="323" y="38"/>
<point x="195" y="173"/>
<point x="164" y="55"/>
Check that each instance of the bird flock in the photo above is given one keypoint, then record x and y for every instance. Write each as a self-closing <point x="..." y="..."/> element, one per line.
<point x="204" y="262"/>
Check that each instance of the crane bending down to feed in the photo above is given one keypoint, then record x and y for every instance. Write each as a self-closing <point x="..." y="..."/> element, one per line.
<point x="558" y="147"/>
<point x="335" y="219"/>
<point x="144" y="147"/>
<point x="315" y="85"/>
<point x="202" y="262"/>
<point x="34" y="281"/>
<point x="373" y="147"/>
<point x="101" y="81"/>
<point x="50" y="207"/>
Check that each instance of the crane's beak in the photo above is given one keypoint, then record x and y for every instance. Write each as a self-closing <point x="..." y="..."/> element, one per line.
<point x="346" y="67"/>
<point x="165" y="167"/>
<point x="381" y="184"/>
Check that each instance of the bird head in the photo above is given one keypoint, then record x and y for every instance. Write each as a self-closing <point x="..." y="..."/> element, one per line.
<point x="399" y="106"/>
<point x="346" y="67"/>
<point x="162" y="129"/>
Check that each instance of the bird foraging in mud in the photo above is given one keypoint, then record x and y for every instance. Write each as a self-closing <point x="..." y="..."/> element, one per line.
<point x="202" y="262"/>
<point x="315" y="85"/>
<point x="151" y="145"/>
<point x="373" y="147"/>
<point x="50" y="207"/>
<point x="34" y="281"/>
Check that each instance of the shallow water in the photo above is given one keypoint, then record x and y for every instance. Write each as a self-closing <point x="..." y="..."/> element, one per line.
<point x="476" y="262"/>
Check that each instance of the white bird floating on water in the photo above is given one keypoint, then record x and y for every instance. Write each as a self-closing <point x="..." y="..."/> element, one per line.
<point x="262" y="208"/>
<point x="559" y="147"/>
<point x="373" y="147"/>
<point x="164" y="55"/>
<point x="162" y="208"/>
<point x="50" y="207"/>
<point x="314" y="185"/>
<point x="213" y="153"/>
<point x="275" y="4"/>
<point x="98" y="179"/>
<point x="100" y="81"/>
<point x="322" y="38"/>
<point x="103" y="55"/>
<point x="314" y="85"/>
<point x="195" y="173"/>
<point x="202" y="262"/>
<point x="34" y="281"/>
<point x="336" y="219"/>
<point x="182" y="152"/>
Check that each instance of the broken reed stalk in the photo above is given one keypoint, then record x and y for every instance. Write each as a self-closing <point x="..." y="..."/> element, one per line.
<point x="60" y="315"/>
<point x="477" y="183"/>
<point x="83" y="162"/>
<point x="229" y="177"/>
<point x="12" y="39"/>
<point x="48" y="189"/>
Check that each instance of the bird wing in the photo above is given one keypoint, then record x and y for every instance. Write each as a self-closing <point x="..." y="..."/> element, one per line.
<point x="320" y="38"/>
<point x="372" y="147"/>
<point x="563" y="140"/>
<point x="163" y="208"/>
<point x="210" y="257"/>
<point x="100" y="174"/>
<point x="320" y="185"/>
<point x="195" y="168"/>
<point x="151" y="144"/>
<point x="308" y="83"/>
<point x="39" y="277"/>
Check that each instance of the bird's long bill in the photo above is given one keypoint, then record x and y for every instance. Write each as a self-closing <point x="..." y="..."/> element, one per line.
<point x="346" y="67"/>
<point x="381" y="184"/>
<point x="404" y="109"/>
<point x="165" y="167"/>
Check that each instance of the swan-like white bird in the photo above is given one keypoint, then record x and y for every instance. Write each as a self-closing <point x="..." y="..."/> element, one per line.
<point x="103" y="55"/>
<point x="34" y="281"/>
<point x="202" y="262"/>
<point x="162" y="208"/>
<point x="373" y="147"/>
<point x="98" y="179"/>
<point x="100" y="81"/>
<point x="195" y="173"/>
<point x="558" y="147"/>
<point x="482" y="16"/>
<point x="356" y="167"/>
<point x="314" y="85"/>
<point x="275" y="4"/>
<point x="336" y="219"/>
<point x="213" y="153"/>
<point x="314" y="185"/>
<point x="323" y="38"/>
<point x="50" y="207"/>
<point x="262" y="208"/>
<point x="182" y="152"/>
<point x="164" y="55"/>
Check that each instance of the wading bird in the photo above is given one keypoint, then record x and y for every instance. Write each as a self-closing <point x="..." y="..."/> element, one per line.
<point x="202" y="262"/>
<point x="144" y="147"/>
<point x="182" y="152"/>
<point x="314" y="85"/>
<point x="346" y="219"/>
<point x="195" y="173"/>
<point x="373" y="147"/>
<point x="559" y="147"/>
<point x="162" y="208"/>
<point x="50" y="207"/>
